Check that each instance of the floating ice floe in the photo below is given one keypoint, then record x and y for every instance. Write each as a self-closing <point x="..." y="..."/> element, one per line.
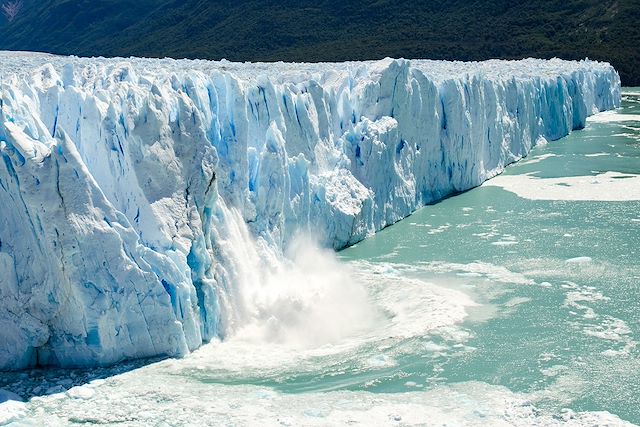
<point x="608" y="186"/>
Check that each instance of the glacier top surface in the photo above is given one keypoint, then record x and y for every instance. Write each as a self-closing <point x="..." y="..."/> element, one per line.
<point x="20" y="62"/>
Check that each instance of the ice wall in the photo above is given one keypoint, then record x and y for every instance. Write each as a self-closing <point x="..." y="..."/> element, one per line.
<point x="138" y="197"/>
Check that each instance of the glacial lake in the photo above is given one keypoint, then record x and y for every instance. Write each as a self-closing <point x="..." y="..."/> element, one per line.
<point x="515" y="303"/>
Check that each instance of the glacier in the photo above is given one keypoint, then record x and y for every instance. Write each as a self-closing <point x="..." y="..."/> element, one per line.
<point x="141" y="198"/>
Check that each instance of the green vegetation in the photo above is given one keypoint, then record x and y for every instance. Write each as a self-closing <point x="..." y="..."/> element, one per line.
<point x="331" y="30"/>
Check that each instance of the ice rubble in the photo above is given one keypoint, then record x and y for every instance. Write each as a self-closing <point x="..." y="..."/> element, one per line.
<point x="133" y="190"/>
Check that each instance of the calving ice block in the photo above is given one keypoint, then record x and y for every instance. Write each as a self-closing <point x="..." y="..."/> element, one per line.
<point x="133" y="190"/>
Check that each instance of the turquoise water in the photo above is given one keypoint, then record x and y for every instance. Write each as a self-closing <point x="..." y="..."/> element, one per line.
<point x="576" y="328"/>
<point x="488" y="308"/>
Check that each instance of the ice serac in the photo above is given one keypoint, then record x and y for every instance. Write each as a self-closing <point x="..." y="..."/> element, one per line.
<point x="140" y="198"/>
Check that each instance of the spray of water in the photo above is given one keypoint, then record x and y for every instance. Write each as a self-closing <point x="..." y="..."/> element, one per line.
<point x="306" y="298"/>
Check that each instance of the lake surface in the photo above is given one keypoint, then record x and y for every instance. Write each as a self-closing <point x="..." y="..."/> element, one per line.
<point x="515" y="303"/>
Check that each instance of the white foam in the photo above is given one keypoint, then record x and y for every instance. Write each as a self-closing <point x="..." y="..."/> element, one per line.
<point x="490" y="271"/>
<point x="611" y="329"/>
<point x="556" y="270"/>
<point x="505" y="243"/>
<point x="579" y="260"/>
<point x="440" y="229"/>
<point x="312" y="301"/>
<point x="553" y="371"/>
<point x="83" y="392"/>
<point x="144" y="399"/>
<point x="429" y="309"/>
<point x="11" y="411"/>
<point x="383" y="317"/>
<point x="516" y="301"/>
<point x="608" y="186"/>
<point x="576" y="299"/>
<point x="538" y="159"/>
<point x="184" y="392"/>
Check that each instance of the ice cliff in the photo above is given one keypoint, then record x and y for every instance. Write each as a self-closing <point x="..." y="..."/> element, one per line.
<point x="129" y="188"/>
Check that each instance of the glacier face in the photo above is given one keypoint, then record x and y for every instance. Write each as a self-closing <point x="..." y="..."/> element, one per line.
<point x="138" y="195"/>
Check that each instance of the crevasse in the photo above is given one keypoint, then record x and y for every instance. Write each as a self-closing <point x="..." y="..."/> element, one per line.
<point x="137" y="195"/>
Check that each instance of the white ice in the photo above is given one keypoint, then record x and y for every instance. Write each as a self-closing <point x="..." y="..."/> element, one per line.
<point x="608" y="186"/>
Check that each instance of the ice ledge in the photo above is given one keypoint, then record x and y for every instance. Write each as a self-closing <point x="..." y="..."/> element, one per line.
<point x="130" y="188"/>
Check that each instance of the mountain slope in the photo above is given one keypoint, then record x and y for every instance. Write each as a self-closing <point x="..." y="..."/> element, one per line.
<point x="329" y="30"/>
